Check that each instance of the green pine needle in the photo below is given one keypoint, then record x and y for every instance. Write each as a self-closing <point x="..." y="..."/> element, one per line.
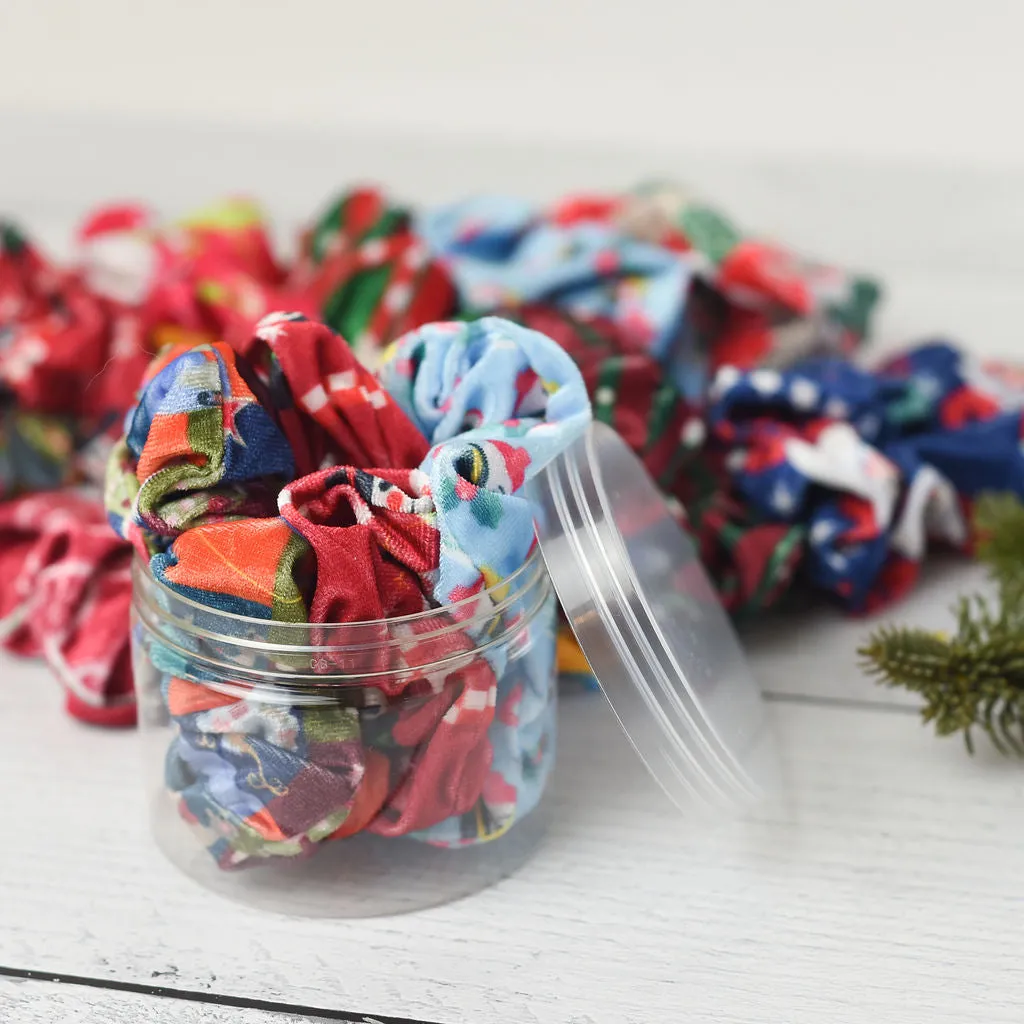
<point x="999" y="522"/>
<point x="974" y="679"/>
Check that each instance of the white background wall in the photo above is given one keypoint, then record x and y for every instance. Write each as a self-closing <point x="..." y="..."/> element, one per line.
<point x="934" y="80"/>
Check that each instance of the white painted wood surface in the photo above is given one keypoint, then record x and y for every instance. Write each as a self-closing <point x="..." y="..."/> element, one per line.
<point x="28" y="1002"/>
<point x="886" y="887"/>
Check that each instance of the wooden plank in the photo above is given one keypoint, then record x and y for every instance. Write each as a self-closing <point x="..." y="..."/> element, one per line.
<point x="813" y="653"/>
<point x="884" y="887"/>
<point x="38" y="1002"/>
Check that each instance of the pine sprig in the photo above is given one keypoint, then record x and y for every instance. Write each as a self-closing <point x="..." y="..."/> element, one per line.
<point x="973" y="679"/>
<point x="999" y="524"/>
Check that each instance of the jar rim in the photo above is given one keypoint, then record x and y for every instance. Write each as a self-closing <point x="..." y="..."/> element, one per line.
<point x="497" y="596"/>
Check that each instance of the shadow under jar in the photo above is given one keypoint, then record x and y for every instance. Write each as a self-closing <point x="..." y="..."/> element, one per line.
<point x="349" y="769"/>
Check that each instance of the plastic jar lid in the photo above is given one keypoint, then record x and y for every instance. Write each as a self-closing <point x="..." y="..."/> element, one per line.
<point x="652" y="627"/>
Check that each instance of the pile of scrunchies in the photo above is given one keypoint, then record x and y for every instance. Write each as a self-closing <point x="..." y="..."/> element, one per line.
<point x="724" y="360"/>
<point x="74" y="343"/>
<point x="278" y="479"/>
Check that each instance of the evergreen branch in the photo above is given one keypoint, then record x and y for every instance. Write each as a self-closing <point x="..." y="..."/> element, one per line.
<point x="973" y="679"/>
<point x="979" y="684"/>
<point x="999" y="524"/>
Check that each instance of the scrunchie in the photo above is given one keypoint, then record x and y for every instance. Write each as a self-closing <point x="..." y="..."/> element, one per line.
<point x="454" y="743"/>
<point x="874" y="466"/>
<point x="371" y="276"/>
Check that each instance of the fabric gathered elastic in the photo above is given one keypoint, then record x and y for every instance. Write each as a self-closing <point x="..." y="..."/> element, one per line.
<point x="420" y="503"/>
<point x="724" y="359"/>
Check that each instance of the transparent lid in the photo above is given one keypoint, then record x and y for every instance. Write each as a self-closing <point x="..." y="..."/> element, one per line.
<point x="652" y="627"/>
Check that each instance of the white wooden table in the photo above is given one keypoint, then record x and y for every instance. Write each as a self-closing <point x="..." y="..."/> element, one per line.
<point x="887" y="888"/>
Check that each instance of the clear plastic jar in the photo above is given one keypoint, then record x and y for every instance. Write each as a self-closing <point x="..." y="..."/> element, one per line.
<point x="353" y="769"/>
